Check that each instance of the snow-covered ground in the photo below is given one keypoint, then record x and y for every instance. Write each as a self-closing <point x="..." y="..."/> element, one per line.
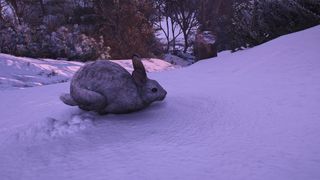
<point x="20" y="72"/>
<point x="253" y="114"/>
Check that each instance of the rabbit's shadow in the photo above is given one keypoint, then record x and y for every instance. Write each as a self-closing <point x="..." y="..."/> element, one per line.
<point x="143" y="115"/>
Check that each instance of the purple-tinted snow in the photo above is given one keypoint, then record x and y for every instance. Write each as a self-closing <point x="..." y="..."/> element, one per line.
<point x="253" y="114"/>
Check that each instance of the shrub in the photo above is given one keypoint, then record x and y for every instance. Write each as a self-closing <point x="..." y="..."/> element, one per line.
<point x="255" y="22"/>
<point x="63" y="43"/>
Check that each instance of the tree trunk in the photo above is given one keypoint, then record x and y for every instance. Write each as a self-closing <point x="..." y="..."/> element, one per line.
<point x="42" y="7"/>
<point x="186" y="43"/>
<point x="167" y="34"/>
<point x="173" y="35"/>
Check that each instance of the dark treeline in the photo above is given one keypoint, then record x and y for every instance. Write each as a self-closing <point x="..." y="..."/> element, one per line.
<point x="92" y="29"/>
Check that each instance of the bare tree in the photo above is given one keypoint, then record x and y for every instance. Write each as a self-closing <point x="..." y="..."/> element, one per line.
<point x="21" y="8"/>
<point x="174" y="27"/>
<point x="17" y="7"/>
<point x="185" y="15"/>
<point x="166" y="24"/>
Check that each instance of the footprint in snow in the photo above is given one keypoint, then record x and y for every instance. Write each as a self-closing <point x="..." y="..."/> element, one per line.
<point x="54" y="127"/>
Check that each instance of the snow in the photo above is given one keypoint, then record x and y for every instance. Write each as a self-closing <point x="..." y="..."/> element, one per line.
<point x="20" y="72"/>
<point x="151" y="65"/>
<point x="253" y="114"/>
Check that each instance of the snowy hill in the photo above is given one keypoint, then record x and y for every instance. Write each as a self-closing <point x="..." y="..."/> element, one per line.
<point x="20" y="72"/>
<point x="247" y="115"/>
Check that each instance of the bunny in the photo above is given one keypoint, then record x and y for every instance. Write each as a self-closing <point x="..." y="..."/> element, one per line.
<point x="106" y="87"/>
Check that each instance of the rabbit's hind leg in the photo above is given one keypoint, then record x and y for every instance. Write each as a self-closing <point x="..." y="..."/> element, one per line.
<point x="89" y="100"/>
<point x="67" y="99"/>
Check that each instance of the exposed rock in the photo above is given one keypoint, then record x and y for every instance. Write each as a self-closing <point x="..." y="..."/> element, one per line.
<point x="205" y="45"/>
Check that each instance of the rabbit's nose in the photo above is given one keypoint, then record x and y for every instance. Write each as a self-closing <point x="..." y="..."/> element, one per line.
<point x="164" y="95"/>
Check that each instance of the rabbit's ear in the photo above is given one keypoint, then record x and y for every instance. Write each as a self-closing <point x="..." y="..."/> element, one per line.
<point x="139" y="74"/>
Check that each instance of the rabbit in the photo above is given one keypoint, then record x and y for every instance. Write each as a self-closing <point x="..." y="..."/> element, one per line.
<point x="106" y="87"/>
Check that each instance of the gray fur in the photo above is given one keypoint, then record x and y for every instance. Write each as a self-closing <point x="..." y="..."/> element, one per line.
<point x="106" y="87"/>
<point x="67" y="99"/>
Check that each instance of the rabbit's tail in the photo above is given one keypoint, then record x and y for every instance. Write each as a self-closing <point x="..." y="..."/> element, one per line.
<point x="67" y="99"/>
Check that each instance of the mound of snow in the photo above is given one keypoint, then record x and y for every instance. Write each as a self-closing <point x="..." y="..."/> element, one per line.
<point x="151" y="65"/>
<point x="253" y="114"/>
<point x="20" y="72"/>
<point x="27" y="72"/>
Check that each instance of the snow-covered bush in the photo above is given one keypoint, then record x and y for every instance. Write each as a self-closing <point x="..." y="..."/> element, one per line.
<point x="65" y="42"/>
<point x="74" y="45"/>
<point x="258" y="21"/>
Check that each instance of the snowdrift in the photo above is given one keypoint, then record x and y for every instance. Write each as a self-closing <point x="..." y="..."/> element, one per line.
<point x="253" y="114"/>
<point x="21" y="72"/>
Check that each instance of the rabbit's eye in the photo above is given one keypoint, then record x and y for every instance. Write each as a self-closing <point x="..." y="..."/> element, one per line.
<point x="154" y="90"/>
